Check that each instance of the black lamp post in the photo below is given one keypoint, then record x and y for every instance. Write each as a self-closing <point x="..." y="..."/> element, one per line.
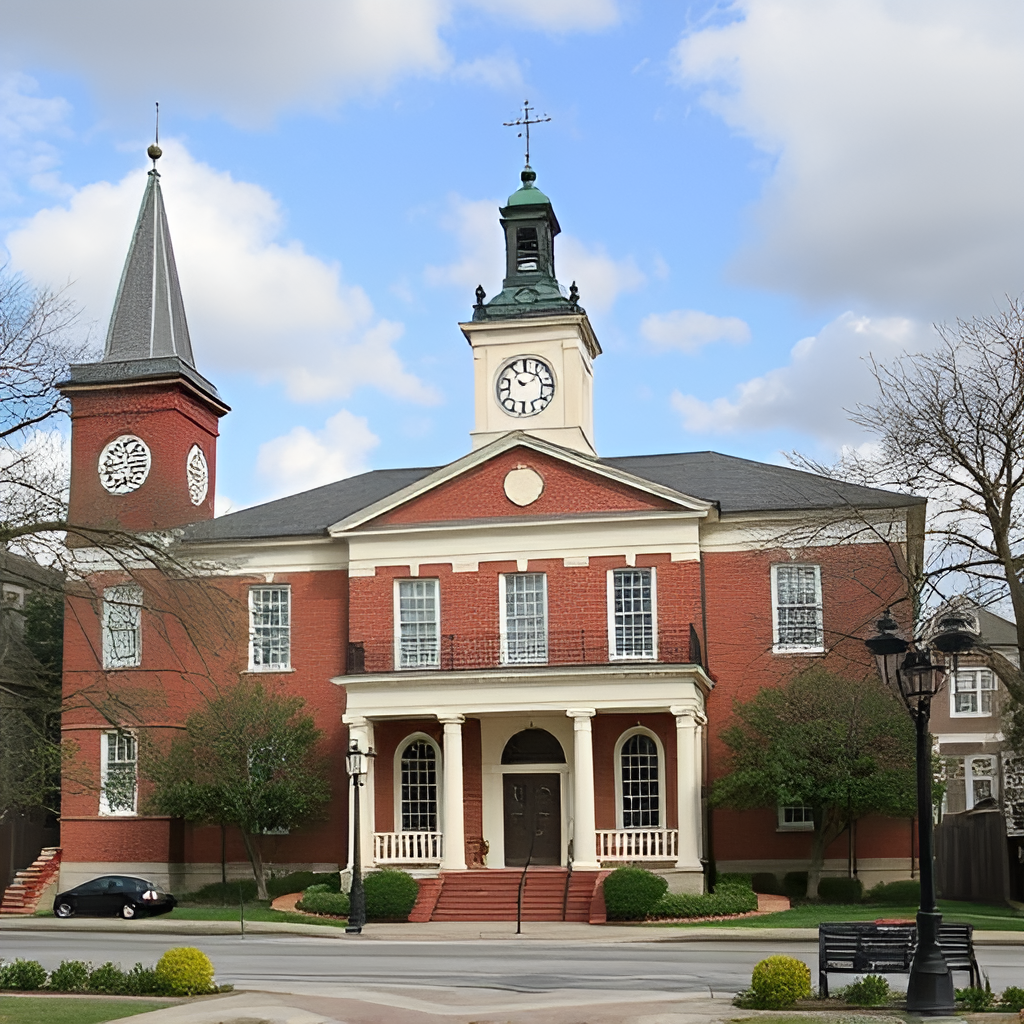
<point x="916" y="679"/>
<point x="356" y="762"/>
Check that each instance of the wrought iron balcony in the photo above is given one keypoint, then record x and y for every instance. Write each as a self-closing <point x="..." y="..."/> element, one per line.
<point x="453" y="652"/>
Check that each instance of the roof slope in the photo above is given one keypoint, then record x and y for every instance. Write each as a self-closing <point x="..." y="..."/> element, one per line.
<point x="735" y="485"/>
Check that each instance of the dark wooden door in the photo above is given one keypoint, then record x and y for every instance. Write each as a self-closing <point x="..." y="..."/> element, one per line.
<point x="533" y="815"/>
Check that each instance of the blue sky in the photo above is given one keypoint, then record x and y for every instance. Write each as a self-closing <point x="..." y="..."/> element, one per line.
<point x="754" y="197"/>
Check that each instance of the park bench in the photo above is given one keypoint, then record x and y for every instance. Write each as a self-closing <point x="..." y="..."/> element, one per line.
<point x="866" y="948"/>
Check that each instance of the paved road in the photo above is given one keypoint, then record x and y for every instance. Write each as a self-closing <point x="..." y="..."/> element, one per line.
<point x="531" y="966"/>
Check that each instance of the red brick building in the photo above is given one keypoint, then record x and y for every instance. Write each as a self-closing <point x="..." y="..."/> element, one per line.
<point x="540" y="644"/>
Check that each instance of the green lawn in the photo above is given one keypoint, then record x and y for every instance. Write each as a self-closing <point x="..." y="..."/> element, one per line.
<point x="253" y="912"/>
<point x="983" y="916"/>
<point x="77" y="1010"/>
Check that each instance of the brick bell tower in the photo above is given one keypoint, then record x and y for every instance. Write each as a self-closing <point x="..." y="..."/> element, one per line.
<point x="143" y="419"/>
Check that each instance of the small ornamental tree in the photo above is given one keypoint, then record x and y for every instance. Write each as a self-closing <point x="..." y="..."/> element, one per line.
<point x="841" y="746"/>
<point x="248" y="757"/>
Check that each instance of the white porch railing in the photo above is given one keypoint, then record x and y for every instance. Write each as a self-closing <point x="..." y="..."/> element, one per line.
<point x="407" y="847"/>
<point x="638" y="844"/>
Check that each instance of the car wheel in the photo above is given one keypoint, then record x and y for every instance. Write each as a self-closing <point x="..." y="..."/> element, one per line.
<point x="128" y="911"/>
<point x="63" y="909"/>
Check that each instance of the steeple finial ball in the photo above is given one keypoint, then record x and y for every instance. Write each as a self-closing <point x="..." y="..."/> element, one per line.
<point x="154" y="152"/>
<point x="528" y="176"/>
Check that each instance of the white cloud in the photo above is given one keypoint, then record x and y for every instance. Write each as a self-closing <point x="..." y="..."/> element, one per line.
<point x="254" y="58"/>
<point x="689" y="330"/>
<point x="254" y="302"/>
<point x="893" y="124"/>
<point x="25" y="122"/>
<point x="826" y="375"/>
<point x="302" y="459"/>
<point x="499" y="71"/>
<point x="601" y="279"/>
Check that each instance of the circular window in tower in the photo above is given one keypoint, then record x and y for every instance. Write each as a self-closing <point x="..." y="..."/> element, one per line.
<point x="198" y="475"/>
<point x="124" y="464"/>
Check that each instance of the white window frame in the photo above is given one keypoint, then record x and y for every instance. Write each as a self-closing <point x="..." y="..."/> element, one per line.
<point x="105" y="740"/>
<point x="970" y="778"/>
<point x="979" y="674"/>
<point x="777" y="646"/>
<point x="397" y="776"/>
<point x="613" y="654"/>
<point x="285" y="666"/>
<point x="804" y="825"/>
<point x="118" y="600"/>
<point x="620" y="817"/>
<point x="398" y="624"/>
<point x="506" y="658"/>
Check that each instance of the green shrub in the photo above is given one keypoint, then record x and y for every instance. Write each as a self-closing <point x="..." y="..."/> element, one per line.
<point x="779" y="982"/>
<point x="22" y="975"/>
<point x="109" y="979"/>
<point x="630" y="894"/>
<point x="1013" y="999"/>
<point x="220" y="893"/>
<point x="144" y="981"/>
<point x="320" y="902"/>
<point x="390" y="895"/>
<point x="840" y="890"/>
<point x="300" y="881"/>
<point x="317" y="887"/>
<point x="71" y="976"/>
<point x="897" y="894"/>
<point x="728" y="898"/>
<point x="871" y="990"/>
<point x="186" y="971"/>
<point x="766" y="882"/>
<point x="975" y="1000"/>
<point x="794" y="885"/>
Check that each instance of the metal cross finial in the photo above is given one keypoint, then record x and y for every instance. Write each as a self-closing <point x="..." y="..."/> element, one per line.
<point x="524" y="122"/>
<point x="154" y="151"/>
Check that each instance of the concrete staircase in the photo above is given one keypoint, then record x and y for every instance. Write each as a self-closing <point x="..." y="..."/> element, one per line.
<point x="22" y="896"/>
<point x="492" y="895"/>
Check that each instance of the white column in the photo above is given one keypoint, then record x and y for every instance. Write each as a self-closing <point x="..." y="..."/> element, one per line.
<point x="698" y="773"/>
<point x="687" y="788"/>
<point x="454" y="858"/>
<point x="584" y="833"/>
<point x="360" y="731"/>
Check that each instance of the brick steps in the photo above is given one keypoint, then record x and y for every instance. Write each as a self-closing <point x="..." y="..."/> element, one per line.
<point x="23" y="894"/>
<point x="493" y="895"/>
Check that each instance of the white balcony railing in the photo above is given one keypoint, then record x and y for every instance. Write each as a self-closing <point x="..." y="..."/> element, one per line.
<point x="407" y="847"/>
<point x="638" y="844"/>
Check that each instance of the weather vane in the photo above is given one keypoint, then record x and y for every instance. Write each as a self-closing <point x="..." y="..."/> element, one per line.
<point x="524" y="122"/>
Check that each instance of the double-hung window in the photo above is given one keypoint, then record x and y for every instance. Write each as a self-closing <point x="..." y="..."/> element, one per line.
<point x="270" y="629"/>
<point x="796" y="606"/>
<point x="524" y="626"/>
<point x="417" y="624"/>
<point x="796" y="818"/>
<point x="641" y="800"/>
<point x="119" y="759"/>
<point x="972" y="692"/>
<point x="122" y="627"/>
<point x="632" y="614"/>
<point x="419" y="787"/>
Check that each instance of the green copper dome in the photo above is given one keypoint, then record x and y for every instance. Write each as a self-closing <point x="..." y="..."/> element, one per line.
<point x="528" y="194"/>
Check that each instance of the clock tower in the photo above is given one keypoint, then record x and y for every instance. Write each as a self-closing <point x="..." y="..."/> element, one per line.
<point x="533" y="346"/>
<point x="143" y="419"/>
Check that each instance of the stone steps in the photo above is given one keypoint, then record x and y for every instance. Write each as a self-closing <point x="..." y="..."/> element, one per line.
<point x="23" y="894"/>
<point x="493" y="895"/>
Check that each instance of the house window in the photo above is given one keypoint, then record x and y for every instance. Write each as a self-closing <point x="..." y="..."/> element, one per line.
<point x="270" y="631"/>
<point x="641" y="791"/>
<point x="418" y="774"/>
<point x="119" y="757"/>
<point x="972" y="692"/>
<point x="419" y="624"/>
<point x="631" y="613"/>
<point x="796" y="818"/>
<point x="796" y="604"/>
<point x="981" y="773"/>
<point x="122" y="627"/>
<point x="524" y="605"/>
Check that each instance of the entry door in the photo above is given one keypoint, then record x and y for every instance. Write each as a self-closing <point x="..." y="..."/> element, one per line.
<point x="533" y="815"/>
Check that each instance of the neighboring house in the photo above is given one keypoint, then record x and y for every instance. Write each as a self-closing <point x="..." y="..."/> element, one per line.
<point x="541" y="645"/>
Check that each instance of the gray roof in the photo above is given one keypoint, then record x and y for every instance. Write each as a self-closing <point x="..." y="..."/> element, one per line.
<point x="996" y="630"/>
<point x="735" y="485"/>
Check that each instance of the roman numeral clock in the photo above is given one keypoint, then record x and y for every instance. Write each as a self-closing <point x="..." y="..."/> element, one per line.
<point x="525" y="386"/>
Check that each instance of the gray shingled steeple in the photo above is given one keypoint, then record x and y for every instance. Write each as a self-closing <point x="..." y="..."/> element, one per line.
<point x="149" y="317"/>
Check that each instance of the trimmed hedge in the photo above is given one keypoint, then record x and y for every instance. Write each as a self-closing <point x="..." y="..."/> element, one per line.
<point x="897" y="894"/>
<point x="766" y="882"/>
<point x="298" y="881"/>
<point x="778" y="982"/>
<point x="725" y="900"/>
<point x="390" y="895"/>
<point x="316" y="900"/>
<point x="794" y="885"/>
<point x="22" y="975"/>
<point x="631" y="894"/>
<point x="840" y="890"/>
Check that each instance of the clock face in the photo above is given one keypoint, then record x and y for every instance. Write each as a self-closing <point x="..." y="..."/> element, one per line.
<point x="525" y="387"/>
<point x="198" y="474"/>
<point x="124" y="464"/>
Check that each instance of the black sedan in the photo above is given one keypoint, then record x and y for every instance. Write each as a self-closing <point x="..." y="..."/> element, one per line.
<point x="122" y="895"/>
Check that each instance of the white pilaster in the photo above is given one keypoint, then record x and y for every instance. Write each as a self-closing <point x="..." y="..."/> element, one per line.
<point x="454" y="856"/>
<point x="584" y="841"/>
<point x="688" y="779"/>
<point x="360" y="731"/>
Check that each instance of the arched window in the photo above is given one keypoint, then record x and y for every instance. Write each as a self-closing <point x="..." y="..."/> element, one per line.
<point x="641" y="790"/>
<point x="418" y="780"/>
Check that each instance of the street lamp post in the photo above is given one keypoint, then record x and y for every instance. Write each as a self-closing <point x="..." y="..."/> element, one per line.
<point x="916" y="679"/>
<point x="356" y="762"/>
